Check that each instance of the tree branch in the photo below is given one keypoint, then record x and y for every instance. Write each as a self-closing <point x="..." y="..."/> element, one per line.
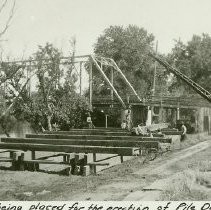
<point x="3" y="5"/>
<point x="9" y="18"/>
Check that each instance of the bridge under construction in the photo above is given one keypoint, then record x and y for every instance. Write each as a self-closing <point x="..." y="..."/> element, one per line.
<point x="158" y="109"/>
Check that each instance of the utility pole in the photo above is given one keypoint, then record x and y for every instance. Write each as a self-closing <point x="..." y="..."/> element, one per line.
<point x="155" y="70"/>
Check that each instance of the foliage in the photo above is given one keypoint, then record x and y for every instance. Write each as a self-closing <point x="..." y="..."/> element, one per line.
<point x="129" y="48"/>
<point x="192" y="59"/>
<point x="7" y="122"/>
<point x="71" y="110"/>
<point x="55" y="100"/>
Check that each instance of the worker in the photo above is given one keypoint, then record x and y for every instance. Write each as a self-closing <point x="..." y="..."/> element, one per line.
<point x="124" y="125"/>
<point x="184" y="131"/>
<point x="140" y="130"/>
<point x="128" y="118"/>
<point x="89" y="121"/>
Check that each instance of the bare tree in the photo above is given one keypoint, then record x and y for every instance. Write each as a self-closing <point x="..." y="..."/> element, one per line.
<point x="7" y="5"/>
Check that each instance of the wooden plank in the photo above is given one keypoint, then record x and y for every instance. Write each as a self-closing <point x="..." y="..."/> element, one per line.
<point x="98" y="164"/>
<point x="126" y="151"/>
<point x="4" y="159"/>
<point x="172" y="132"/>
<point x="169" y="129"/>
<point x="5" y="151"/>
<point x="50" y="156"/>
<point x="97" y="137"/>
<point x="45" y="162"/>
<point x="97" y="130"/>
<point x="107" y="158"/>
<point x="111" y="143"/>
<point x="106" y="133"/>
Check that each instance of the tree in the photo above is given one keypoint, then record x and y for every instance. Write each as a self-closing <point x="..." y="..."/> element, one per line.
<point x="13" y="90"/>
<point x="192" y="59"/>
<point x="129" y="48"/>
<point x="48" y="74"/>
<point x="56" y="99"/>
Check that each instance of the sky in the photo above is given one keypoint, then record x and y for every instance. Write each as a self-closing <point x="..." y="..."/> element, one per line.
<point x="39" y="21"/>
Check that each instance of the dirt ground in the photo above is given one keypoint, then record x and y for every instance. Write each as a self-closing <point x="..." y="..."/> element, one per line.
<point x="132" y="180"/>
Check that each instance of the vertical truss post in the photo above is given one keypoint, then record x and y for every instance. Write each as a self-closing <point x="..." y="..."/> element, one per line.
<point x="80" y="78"/>
<point x="28" y="78"/>
<point x="90" y="84"/>
<point x="112" y="82"/>
<point x="155" y="71"/>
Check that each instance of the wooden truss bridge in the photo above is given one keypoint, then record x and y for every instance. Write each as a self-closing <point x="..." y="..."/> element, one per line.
<point x="77" y="63"/>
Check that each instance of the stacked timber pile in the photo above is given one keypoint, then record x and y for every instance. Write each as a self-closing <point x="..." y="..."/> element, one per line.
<point x="76" y="147"/>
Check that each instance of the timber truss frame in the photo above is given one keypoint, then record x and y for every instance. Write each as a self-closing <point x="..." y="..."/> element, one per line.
<point x="31" y="66"/>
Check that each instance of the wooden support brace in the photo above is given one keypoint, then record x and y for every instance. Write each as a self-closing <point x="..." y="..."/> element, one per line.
<point x="64" y="158"/>
<point x="13" y="156"/>
<point x="76" y="169"/>
<point x="121" y="158"/>
<point x="21" y="162"/>
<point x="86" y="170"/>
<point x="93" y="168"/>
<point x="83" y="162"/>
<point x="33" y="155"/>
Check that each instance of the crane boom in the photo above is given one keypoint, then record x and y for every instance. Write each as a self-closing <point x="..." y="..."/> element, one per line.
<point x="200" y="90"/>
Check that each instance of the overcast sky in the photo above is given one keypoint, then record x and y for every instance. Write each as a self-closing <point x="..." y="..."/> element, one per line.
<point x="40" y="21"/>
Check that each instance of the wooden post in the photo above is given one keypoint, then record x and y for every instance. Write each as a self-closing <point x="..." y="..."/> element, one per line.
<point x="33" y="155"/>
<point x="82" y="163"/>
<point x="80" y="78"/>
<point x="121" y="158"/>
<point x="90" y="84"/>
<point x="13" y="156"/>
<point x="64" y="158"/>
<point x="178" y="113"/>
<point x="106" y="121"/>
<point x="76" y="169"/>
<point x="21" y="162"/>
<point x="112" y="82"/>
<point x="94" y="166"/>
<point x="28" y="76"/>
<point x="155" y="70"/>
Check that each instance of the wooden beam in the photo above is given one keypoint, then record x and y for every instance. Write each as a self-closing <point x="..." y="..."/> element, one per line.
<point x="126" y="151"/>
<point x="107" y="143"/>
<point x="46" y="162"/>
<point x="126" y="80"/>
<point x="172" y="132"/>
<point x="110" y="133"/>
<point x="98" y="137"/>
<point x="4" y="159"/>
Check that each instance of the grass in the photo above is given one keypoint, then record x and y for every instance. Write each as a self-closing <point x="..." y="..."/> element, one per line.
<point x="191" y="184"/>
